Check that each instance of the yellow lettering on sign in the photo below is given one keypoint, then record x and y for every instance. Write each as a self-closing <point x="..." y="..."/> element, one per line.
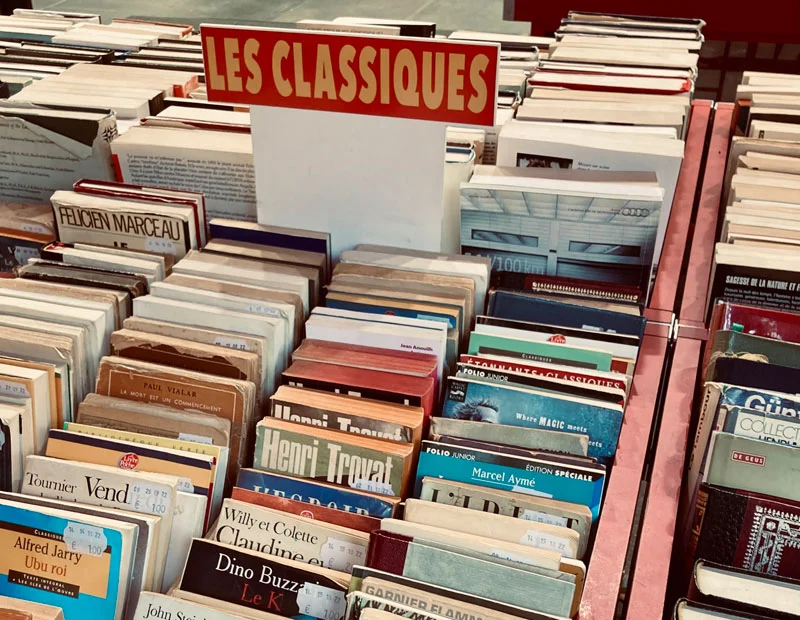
<point x="254" y="80"/>
<point x="370" y="88"/>
<point x="455" y="82"/>
<point x="323" y="76"/>
<point x="407" y="95"/>
<point x="280" y="53"/>
<point x="302" y="87"/>
<point x="348" y="90"/>
<point x="232" y="64"/>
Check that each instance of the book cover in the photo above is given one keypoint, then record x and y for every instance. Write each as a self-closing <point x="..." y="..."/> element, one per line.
<point x="733" y="343"/>
<point x="264" y="583"/>
<point x="70" y="563"/>
<point x="549" y="353"/>
<point x="362" y="605"/>
<point x="401" y="556"/>
<point x="753" y="465"/>
<point x="272" y="532"/>
<point x="746" y="530"/>
<point x="522" y="307"/>
<point x="755" y="321"/>
<point x="513" y="504"/>
<point x="385" y="306"/>
<point x="161" y="607"/>
<point x="755" y="374"/>
<point x="564" y="373"/>
<point x="761" y="425"/>
<point x="768" y="288"/>
<point x="531" y="438"/>
<point x="317" y="493"/>
<point x="374" y="384"/>
<point x="340" y="418"/>
<point x="361" y="523"/>
<point x="448" y="602"/>
<point x="500" y="404"/>
<point x="304" y="452"/>
<point x="540" y="476"/>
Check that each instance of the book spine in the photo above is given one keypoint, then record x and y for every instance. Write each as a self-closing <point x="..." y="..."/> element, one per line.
<point x="359" y="425"/>
<point x="342" y="388"/>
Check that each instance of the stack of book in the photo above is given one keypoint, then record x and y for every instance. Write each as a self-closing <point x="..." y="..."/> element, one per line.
<point x="741" y="508"/>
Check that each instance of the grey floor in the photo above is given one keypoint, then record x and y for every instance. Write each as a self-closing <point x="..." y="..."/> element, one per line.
<point x="484" y="15"/>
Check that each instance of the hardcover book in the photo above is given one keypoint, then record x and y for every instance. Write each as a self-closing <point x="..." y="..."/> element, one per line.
<point x="755" y="321"/>
<point x="361" y="523"/>
<point x="745" y="284"/>
<point x="771" y="351"/>
<point x="401" y="556"/>
<point x="531" y="438"/>
<point x="534" y="476"/>
<point x="331" y="456"/>
<point x="759" y="425"/>
<point x="263" y="583"/>
<point x="65" y="559"/>
<point x="511" y="503"/>
<point x="755" y="374"/>
<point x="467" y="399"/>
<point x="746" y="530"/>
<point x="318" y="493"/>
<point x="272" y="532"/>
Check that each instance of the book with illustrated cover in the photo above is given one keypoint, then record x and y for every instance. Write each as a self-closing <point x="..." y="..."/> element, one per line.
<point x="534" y="476"/>
<point x="746" y="530"/>
<point x="263" y="583"/>
<point x="326" y="514"/>
<point x="331" y="456"/>
<point x="318" y="493"/>
<point x="759" y="425"/>
<point x="531" y="438"/>
<point x="466" y="399"/>
<point x="64" y="559"/>
<point x="272" y="532"/>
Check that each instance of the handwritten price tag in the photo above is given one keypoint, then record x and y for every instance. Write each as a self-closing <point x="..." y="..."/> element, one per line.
<point x="342" y="554"/>
<point x="321" y="601"/>
<point x="148" y="498"/>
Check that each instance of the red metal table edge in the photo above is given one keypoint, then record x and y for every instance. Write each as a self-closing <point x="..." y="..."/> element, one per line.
<point x="698" y="271"/>
<point x="647" y="590"/>
<point x="606" y="564"/>
<point x="665" y="289"/>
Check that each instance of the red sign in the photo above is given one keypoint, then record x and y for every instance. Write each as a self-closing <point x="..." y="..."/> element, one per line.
<point x="128" y="461"/>
<point x="426" y="79"/>
<point x="751" y="459"/>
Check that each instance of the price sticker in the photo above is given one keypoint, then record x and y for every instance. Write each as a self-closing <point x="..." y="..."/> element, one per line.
<point x="161" y="246"/>
<point x="321" y="601"/>
<point x="342" y="554"/>
<point x="231" y="343"/>
<point x="543" y="517"/>
<point x="87" y="539"/>
<point x="148" y="498"/>
<point x="373" y="486"/>
<point x="542" y="540"/>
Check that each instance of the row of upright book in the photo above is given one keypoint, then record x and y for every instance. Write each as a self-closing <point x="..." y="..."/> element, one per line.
<point x="740" y="505"/>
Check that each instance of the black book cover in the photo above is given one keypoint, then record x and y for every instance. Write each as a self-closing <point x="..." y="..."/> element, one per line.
<point x="756" y="286"/>
<point x="759" y="375"/>
<point x="5" y="92"/>
<point x="260" y="582"/>
<point x="337" y="387"/>
<point x="6" y="457"/>
<point x="697" y="595"/>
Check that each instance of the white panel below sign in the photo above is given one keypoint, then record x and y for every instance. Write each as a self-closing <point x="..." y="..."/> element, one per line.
<point x="364" y="179"/>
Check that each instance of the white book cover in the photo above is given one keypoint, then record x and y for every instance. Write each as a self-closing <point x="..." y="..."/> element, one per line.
<point x="274" y="532"/>
<point x="43" y="409"/>
<point x="187" y="524"/>
<point x="107" y="487"/>
<point x="153" y="606"/>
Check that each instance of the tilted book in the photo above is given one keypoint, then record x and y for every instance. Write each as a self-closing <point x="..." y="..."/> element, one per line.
<point x="263" y="583"/>
<point x="272" y="532"/>
<point x="318" y="493"/>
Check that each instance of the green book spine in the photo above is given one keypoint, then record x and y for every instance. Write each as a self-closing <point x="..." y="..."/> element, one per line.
<point x="539" y="351"/>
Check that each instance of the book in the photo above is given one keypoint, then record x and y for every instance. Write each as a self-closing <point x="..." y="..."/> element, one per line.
<point x="335" y="516"/>
<point x="533" y="438"/>
<point x="263" y="583"/>
<point x="774" y="597"/>
<point x="759" y="425"/>
<point x="535" y="534"/>
<point x="751" y="465"/>
<point x="91" y="557"/>
<point x="340" y="458"/>
<point x="29" y="611"/>
<point x="510" y="503"/>
<point x="272" y="532"/>
<point x="11" y="453"/>
<point x="154" y="605"/>
<point x="318" y="493"/>
<point x="533" y="475"/>
<point x="745" y="530"/>
<point x="396" y="554"/>
<point x="372" y="418"/>
<point x="755" y="374"/>
<point x="505" y="404"/>
<point x="685" y="609"/>
<point x="726" y="343"/>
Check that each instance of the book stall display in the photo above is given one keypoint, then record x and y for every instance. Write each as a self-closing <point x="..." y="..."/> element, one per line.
<point x="353" y="319"/>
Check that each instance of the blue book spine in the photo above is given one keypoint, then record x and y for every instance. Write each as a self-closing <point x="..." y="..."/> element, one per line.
<point x="404" y="312"/>
<point x="60" y="562"/>
<point x="317" y="494"/>
<point x="518" y="474"/>
<point x="500" y="404"/>
<point x="518" y="307"/>
<point x="265" y="237"/>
